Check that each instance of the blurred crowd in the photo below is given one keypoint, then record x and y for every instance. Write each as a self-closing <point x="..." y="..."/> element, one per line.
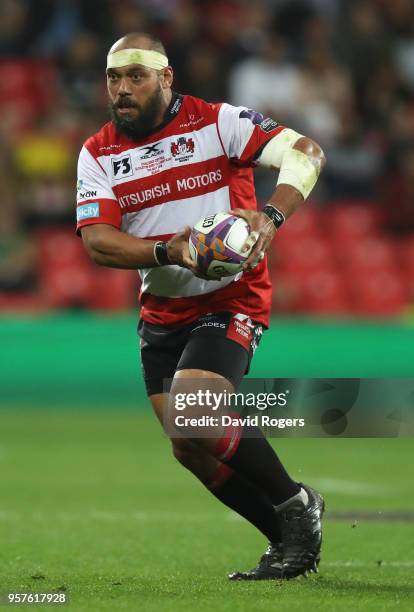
<point x="339" y="71"/>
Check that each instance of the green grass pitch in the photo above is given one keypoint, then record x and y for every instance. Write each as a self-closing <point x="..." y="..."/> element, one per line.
<point x="93" y="503"/>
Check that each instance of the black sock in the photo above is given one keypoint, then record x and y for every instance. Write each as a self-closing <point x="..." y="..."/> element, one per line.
<point x="251" y="503"/>
<point x="257" y="462"/>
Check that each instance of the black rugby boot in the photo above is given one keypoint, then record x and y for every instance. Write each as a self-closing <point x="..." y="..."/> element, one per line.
<point x="270" y="565"/>
<point x="301" y="532"/>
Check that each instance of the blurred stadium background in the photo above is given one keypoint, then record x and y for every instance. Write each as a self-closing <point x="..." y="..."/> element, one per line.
<point x="340" y="71"/>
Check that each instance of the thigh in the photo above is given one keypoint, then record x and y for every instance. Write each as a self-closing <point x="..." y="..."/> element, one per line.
<point x="159" y="402"/>
<point x="161" y="349"/>
<point x="222" y="344"/>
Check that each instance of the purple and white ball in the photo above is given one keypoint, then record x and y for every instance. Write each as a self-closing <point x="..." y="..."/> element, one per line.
<point x="216" y="244"/>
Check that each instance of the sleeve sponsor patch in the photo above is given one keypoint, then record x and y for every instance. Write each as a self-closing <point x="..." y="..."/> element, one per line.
<point x="87" y="211"/>
<point x="265" y="123"/>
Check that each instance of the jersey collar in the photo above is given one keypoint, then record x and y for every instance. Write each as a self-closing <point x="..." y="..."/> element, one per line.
<point x="172" y="111"/>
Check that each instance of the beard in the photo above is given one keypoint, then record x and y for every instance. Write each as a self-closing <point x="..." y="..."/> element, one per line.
<point x="141" y="126"/>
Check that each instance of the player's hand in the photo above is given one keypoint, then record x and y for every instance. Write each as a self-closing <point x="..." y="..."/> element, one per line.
<point x="179" y="253"/>
<point x="261" y="235"/>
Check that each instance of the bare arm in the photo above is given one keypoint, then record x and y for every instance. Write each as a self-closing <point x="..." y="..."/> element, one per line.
<point x="108" y="246"/>
<point x="285" y="198"/>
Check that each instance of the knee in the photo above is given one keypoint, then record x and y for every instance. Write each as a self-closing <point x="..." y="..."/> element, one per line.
<point x="184" y="451"/>
<point x="194" y="458"/>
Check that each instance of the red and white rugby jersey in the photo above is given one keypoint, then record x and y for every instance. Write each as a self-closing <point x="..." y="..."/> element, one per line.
<point x="198" y="162"/>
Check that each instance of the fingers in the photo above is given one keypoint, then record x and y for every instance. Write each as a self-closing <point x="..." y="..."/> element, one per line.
<point x="189" y="263"/>
<point x="254" y="236"/>
<point x="183" y="234"/>
<point x="247" y="266"/>
<point x="257" y="254"/>
<point x="239" y="212"/>
<point x="259" y="243"/>
<point x="250" y="242"/>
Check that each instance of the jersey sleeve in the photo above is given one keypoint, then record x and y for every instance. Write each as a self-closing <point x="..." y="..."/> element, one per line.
<point x="96" y="202"/>
<point x="244" y="133"/>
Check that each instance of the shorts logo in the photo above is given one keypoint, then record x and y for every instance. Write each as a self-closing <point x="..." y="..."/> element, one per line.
<point x="241" y="330"/>
<point x="87" y="211"/>
<point x="244" y="319"/>
<point x="182" y="149"/>
<point x="257" y="335"/>
<point x="122" y="167"/>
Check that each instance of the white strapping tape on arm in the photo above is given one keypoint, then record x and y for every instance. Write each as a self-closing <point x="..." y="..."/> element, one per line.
<point x="298" y="171"/>
<point x="296" y="168"/>
<point x="272" y="154"/>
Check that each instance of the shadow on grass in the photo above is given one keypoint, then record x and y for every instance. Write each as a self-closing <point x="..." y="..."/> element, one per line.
<point x="373" y="585"/>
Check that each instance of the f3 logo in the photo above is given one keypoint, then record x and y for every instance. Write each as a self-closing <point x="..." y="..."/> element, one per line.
<point x="122" y="167"/>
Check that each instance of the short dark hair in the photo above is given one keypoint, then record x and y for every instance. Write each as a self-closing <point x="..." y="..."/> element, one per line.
<point x="155" y="43"/>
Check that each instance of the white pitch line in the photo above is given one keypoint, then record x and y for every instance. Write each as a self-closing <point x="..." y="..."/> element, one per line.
<point x="97" y="514"/>
<point x="163" y="515"/>
<point x="367" y="564"/>
<point x="9" y="516"/>
<point x="350" y="487"/>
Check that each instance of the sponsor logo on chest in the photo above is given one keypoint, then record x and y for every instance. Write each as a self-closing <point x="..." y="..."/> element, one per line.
<point x="152" y="158"/>
<point x="170" y="190"/>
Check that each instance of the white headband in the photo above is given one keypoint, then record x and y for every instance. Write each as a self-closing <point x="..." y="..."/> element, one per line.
<point x="151" y="59"/>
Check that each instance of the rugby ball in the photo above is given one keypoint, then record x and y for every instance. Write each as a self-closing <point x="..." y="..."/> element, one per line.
<point x="216" y="244"/>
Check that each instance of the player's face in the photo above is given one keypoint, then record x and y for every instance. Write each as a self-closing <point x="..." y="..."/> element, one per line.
<point x="136" y="98"/>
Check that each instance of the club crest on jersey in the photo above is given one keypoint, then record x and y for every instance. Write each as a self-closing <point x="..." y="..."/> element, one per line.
<point x="182" y="149"/>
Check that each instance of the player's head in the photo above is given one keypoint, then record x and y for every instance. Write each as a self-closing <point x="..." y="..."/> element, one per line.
<point x="139" y="84"/>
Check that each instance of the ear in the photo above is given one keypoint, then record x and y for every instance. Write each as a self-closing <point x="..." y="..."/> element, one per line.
<point x="167" y="77"/>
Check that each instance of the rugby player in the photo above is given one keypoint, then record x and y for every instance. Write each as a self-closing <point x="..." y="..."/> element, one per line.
<point x="164" y="161"/>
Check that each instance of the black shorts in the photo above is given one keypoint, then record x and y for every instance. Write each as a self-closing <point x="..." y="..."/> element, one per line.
<point x="220" y="342"/>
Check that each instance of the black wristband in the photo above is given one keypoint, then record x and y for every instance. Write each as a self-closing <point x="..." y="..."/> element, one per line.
<point x="161" y="254"/>
<point x="277" y="217"/>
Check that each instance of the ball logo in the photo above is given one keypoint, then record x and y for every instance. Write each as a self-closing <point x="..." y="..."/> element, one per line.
<point x="208" y="221"/>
